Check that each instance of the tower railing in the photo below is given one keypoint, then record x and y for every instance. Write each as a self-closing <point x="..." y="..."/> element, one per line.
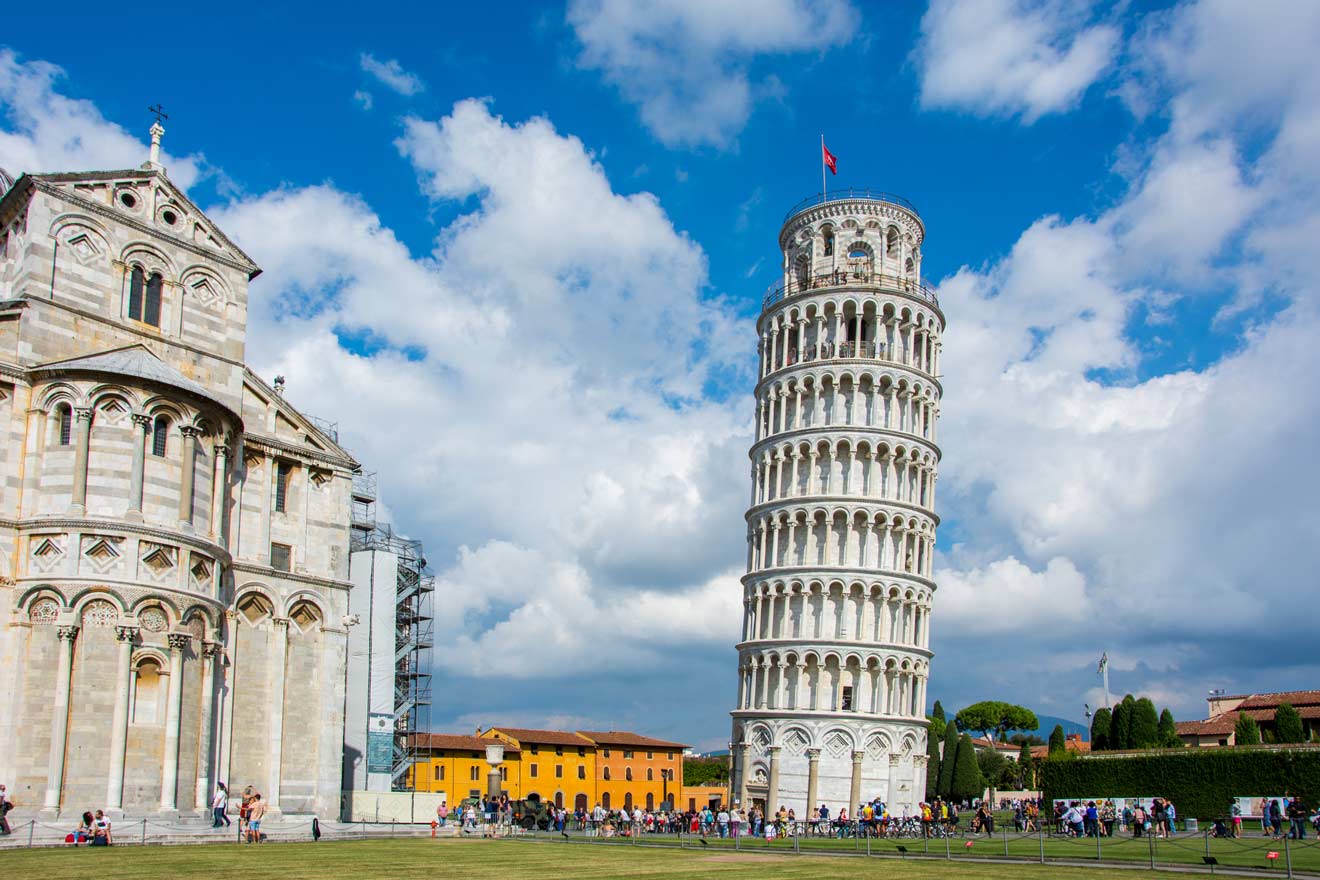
<point x="845" y="278"/>
<point x="842" y="195"/>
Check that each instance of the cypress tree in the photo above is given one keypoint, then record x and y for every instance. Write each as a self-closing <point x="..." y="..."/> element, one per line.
<point x="1168" y="730"/>
<point x="1145" y="725"/>
<point x="1026" y="763"/>
<point x="932" y="765"/>
<point x="1288" y="724"/>
<point x="938" y="712"/>
<point x="1246" y="732"/>
<point x="1057" y="740"/>
<point x="948" y="760"/>
<point x="1100" y="729"/>
<point x="968" y="782"/>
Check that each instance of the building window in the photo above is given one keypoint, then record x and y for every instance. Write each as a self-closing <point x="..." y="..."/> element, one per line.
<point x="559" y="750"/>
<point x="582" y="752"/>
<point x="475" y="774"/>
<point x="559" y="771"/>
<point x="606" y="774"/>
<point x="504" y="773"/>
<point x="627" y="754"/>
<point x="650" y="756"/>
<point x="65" y="415"/>
<point x="283" y="470"/>
<point x="160" y="436"/>
<point x="606" y="753"/>
<point x="137" y="282"/>
<point x="650" y="775"/>
<point x="533" y="750"/>
<point x="535" y="769"/>
<point x="847" y="697"/>
<point x="670" y="756"/>
<point x="582" y="772"/>
<point x="439" y="772"/>
<point x="829" y="244"/>
<point x="627" y="774"/>
<point x="151" y="307"/>
<point x="281" y="556"/>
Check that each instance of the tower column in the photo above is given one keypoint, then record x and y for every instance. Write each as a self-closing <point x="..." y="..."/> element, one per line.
<point x="83" y="420"/>
<point x="114" y="794"/>
<point x="59" y="716"/>
<point x="772" y="789"/>
<point x="141" y="427"/>
<point x="210" y="650"/>
<point x="169" y="777"/>
<point x="813" y="777"/>
<point x="855" y="786"/>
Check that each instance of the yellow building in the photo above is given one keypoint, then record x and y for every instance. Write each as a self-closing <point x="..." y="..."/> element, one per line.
<point x="615" y="769"/>
<point x="635" y="770"/>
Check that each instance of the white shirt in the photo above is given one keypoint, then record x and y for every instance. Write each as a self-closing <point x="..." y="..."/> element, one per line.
<point x="221" y="798"/>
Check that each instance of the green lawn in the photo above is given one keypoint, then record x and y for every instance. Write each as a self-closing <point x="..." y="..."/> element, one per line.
<point x="424" y="858"/>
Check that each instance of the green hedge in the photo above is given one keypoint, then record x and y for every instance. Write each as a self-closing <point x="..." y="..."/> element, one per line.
<point x="1200" y="782"/>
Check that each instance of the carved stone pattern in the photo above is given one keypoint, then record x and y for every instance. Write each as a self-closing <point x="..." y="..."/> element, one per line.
<point x="196" y="627"/>
<point x="837" y="744"/>
<point x="178" y="641"/>
<point x="126" y="633"/>
<point x="99" y="612"/>
<point x="153" y="620"/>
<point x="44" y="611"/>
<point x="67" y="632"/>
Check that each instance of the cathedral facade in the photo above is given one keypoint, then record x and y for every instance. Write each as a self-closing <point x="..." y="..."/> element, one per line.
<point x="174" y="535"/>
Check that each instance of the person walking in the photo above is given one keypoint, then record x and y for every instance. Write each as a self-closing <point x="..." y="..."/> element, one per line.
<point x="5" y="806"/>
<point x="1297" y="816"/>
<point x="220" y="807"/>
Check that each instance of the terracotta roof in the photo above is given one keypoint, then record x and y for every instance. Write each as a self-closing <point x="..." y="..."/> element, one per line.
<point x="456" y="742"/>
<point x="1226" y="722"/>
<point x="543" y="737"/>
<point x="1078" y="745"/>
<point x="1271" y="701"/>
<point x="981" y="742"/>
<point x="628" y="738"/>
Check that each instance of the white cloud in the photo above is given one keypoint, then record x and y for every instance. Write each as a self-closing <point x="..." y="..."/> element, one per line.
<point x="687" y="63"/>
<point x="47" y="131"/>
<point x="1011" y="57"/>
<point x="557" y="441"/>
<point x="390" y="73"/>
<point x="364" y="99"/>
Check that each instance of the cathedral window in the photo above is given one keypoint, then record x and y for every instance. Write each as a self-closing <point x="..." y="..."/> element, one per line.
<point x="828" y="249"/>
<point x="151" y="306"/>
<point x="137" y="283"/>
<point x="847" y="698"/>
<point x="283" y="470"/>
<point x="64" y="413"/>
<point x="281" y="557"/>
<point x="160" y="432"/>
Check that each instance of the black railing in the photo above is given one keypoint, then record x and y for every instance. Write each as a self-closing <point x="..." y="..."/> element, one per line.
<point x="844" y="278"/>
<point x="840" y="195"/>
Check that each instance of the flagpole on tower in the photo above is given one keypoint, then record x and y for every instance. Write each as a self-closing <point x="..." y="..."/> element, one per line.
<point x="822" y="168"/>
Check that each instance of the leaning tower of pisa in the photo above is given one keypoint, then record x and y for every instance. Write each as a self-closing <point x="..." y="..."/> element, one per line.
<point x="835" y="648"/>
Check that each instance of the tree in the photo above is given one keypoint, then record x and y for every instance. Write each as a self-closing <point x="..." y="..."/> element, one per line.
<point x="1246" y="732"/>
<point x="935" y="727"/>
<point x="938" y="712"/>
<point x="1145" y="725"/>
<point x="1058" y="742"/>
<point x="967" y="780"/>
<point x="932" y="765"/>
<point x="1288" y="724"/>
<point x="1030" y="739"/>
<point x="992" y="765"/>
<point x="948" y="760"/>
<point x="1169" y="731"/>
<point x="996" y="716"/>
<point x="1120" y="725"/>
<point x="1026" y="766"/>
<point x="1100" y="729"/>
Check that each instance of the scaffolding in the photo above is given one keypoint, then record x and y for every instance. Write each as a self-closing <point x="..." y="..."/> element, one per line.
<point x="413" y="632"/>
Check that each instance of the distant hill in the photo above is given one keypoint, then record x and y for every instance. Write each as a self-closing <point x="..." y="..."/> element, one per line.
<point x="1047" y="723"/>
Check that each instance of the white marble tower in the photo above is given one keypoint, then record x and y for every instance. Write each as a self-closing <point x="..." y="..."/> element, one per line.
<point x="835" y="651"/>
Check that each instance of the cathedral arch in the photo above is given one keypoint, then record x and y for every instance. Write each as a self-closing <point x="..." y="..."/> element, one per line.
<point x="82" y="598"/>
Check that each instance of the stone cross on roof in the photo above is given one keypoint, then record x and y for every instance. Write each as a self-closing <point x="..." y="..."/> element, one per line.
<point x="157" y="130"/>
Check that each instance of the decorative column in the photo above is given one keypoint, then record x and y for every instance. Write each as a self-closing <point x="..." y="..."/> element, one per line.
<point x="855" y="787"/>
<point x="210" y="650"/>
<point x="219" y="489"/>
<point x="59" y="716"/>
<point x="892" y="797"/>
<point x="114" y="792"/>
<point x="33" y="445"/>
<point x="743" y="774"/>
<point x="279" y="652"/>
<point x="813" y="777"/>
<point x="772" y="792"/>
<point x="188" y="475"/>
<point x="169" y="775"/>
<point x="141" y="427"/>
<point x="83" y="417"/>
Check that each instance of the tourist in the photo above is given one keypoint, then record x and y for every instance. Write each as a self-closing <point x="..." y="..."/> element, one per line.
<point x="101" y="830"/>
<point x="723" y="820"/>
<point x="1170" y="819"/>
<point x="442" y="813"/>
<point x="1236" y="812"/>
<point x="5" y="806"/>
<point x="1276" y="819"/>
<point x="219" y="807"/>
<point x="256" y="810"/>
<point x="1297" y="816"/>
<point x="83" y="832"/>
<point x="1073" y="820"/>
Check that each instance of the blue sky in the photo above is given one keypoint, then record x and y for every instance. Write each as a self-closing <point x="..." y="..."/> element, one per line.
<point x="534" y="244"/>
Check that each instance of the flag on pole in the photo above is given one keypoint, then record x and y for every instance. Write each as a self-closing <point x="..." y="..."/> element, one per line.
<point x="1104" y="661"/>
<point x="831" y="161"/>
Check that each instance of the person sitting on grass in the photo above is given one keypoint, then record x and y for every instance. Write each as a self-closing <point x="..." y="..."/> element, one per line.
<point x="83" y="832"/>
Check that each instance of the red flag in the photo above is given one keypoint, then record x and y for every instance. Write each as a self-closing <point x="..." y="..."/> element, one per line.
<point x="831" y="161"/>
